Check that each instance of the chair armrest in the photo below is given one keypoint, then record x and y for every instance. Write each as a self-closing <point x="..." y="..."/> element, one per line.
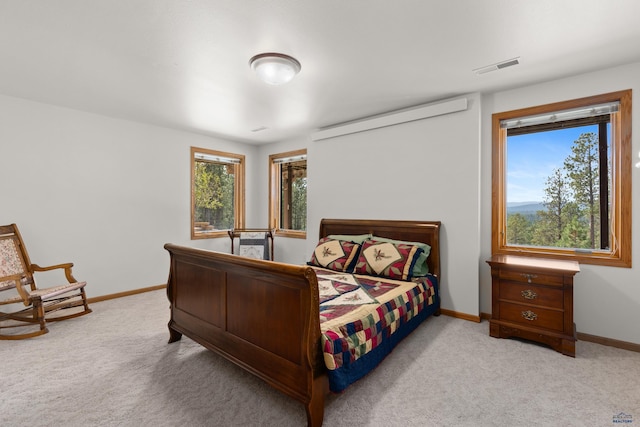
<point x="66" y="266"/>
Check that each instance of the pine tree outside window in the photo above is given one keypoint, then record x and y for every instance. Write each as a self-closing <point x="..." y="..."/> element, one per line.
<point x="562" y="180"/>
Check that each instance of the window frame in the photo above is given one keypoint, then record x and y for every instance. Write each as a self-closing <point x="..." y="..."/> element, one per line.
<point x="621" y="173"/>
<point x="238" y="197"/>
<point x="275" y="191"/>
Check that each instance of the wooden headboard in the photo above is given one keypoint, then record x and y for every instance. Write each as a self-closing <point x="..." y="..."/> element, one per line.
<point x="412" y="231"/>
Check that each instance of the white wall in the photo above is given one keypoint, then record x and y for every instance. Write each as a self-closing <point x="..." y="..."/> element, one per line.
<point x="108" y="193"/>
<point x="423" y="170"/>
<point x="454" y="153"/>
<point x="105" y="194"/>
<point x="606" y="299"/>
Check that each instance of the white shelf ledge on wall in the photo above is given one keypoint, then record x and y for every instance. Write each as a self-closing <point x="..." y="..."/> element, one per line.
<point x="393" y="118"/>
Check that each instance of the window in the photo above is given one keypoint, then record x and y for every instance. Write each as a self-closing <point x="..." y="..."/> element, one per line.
<point x="288" y="193"/>
<point x="562" y="180"/>
<point x="217" y="193"/>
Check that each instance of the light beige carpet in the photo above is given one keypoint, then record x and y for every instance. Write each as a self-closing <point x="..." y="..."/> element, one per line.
<point x="114" y="367"/>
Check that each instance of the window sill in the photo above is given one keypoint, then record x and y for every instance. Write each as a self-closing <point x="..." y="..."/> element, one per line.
<point x="291" y="233"/>
<point x="608" y="259"/>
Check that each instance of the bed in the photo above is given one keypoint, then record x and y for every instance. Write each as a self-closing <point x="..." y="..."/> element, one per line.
<point x="282" y="322"/>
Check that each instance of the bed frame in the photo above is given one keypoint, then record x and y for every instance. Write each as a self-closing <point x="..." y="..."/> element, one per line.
<point x="226" y="303"/>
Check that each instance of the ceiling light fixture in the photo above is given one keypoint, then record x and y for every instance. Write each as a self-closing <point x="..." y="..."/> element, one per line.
<point x="275" y="68"/>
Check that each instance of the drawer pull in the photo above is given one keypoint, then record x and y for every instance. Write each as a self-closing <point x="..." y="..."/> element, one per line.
<point x="529" y="315"/>
<point x="528" y="294"/>
<point x="529" y="276"/>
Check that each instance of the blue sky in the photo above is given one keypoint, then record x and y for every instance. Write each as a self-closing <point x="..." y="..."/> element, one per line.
<point x="531" y="158"/>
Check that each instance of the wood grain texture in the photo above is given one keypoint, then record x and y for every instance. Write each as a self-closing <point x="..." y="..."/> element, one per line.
<point x="533" y="299"/>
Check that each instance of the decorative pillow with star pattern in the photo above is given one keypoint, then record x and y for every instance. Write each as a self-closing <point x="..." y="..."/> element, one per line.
<point x="386" y="259"/>
<point x="337" y="255"/>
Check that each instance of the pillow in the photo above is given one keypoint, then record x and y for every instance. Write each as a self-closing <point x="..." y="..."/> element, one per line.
<point x="386" y="259"/>
<point x="421" y="268"/>
<point x="357" y="238"/>
<point x="334" y="254"/>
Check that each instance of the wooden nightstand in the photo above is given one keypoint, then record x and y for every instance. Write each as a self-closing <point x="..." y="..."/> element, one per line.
<point x="532" y="298"/>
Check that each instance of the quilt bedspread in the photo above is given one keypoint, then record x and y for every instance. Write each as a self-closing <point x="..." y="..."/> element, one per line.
<point x="360" y="314"/>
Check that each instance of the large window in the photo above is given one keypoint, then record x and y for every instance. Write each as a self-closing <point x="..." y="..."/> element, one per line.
<point x="217" y="193"/>
<point x="562" y="180"/>
<point x="288" y="193"/>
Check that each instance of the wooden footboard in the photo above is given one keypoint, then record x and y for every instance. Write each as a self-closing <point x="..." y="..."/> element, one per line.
<point x="261" y="315"/>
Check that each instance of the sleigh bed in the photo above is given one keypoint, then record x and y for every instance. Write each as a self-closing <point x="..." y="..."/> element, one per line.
<point x="297" y="327"/>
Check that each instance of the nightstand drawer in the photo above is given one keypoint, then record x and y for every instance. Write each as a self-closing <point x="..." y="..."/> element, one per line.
<point x="532" y="298"/>
<point x="528" y="294"/>
<point x="532" y="316"/>
<point x="531" y="277"/>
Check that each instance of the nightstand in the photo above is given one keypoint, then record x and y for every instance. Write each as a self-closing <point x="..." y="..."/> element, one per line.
<point x="532" y="298"/>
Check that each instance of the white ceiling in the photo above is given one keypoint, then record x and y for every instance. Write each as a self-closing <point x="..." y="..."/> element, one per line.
<point x="184" y="63"/>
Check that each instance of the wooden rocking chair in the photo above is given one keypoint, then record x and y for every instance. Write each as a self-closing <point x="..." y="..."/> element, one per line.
<point x="18" y="288"/>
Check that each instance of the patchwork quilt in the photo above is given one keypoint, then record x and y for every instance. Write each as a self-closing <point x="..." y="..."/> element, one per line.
<point x="363" y="317"/>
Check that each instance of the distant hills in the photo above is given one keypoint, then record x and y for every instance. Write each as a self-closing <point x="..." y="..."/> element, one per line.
<point x="525" y="208"/>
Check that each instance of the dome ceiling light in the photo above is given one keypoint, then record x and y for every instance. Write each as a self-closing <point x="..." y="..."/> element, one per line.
<point x="275" y="68"/>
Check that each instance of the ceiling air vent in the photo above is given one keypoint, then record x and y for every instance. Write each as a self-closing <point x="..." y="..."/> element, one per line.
<point x="498" y="66"/>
